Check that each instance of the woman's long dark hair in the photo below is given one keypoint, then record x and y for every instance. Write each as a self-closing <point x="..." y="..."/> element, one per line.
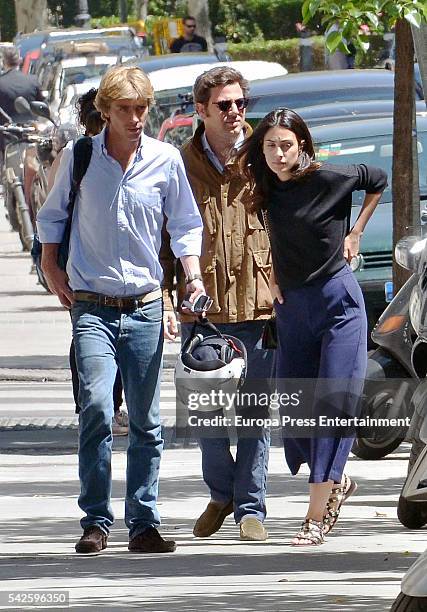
<point x="88" y="116"/>
<point x="251" y="158"/>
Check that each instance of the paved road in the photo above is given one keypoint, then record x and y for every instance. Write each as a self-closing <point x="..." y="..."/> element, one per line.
<point x="50" y="404"/>
<point x="358" y="569"/>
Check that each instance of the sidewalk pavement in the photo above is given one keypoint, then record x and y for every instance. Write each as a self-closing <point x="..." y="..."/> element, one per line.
<point x="35" y="330"/>
<point x="358" y="569"/>
<point x="35" y="334"/>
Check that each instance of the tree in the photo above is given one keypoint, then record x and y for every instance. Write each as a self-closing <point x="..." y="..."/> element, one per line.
<point x="200" y="10"/>
<point x="31" y="15"/>
<point x="141" y="9"/>
<point x="383" y="15"/>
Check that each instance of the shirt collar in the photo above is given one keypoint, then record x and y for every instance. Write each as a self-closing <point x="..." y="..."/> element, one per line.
<point x="101" y="146"/>
<point x="208" y="150"/>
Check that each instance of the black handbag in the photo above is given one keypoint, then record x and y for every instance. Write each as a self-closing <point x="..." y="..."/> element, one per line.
<point x="269" y="334"/>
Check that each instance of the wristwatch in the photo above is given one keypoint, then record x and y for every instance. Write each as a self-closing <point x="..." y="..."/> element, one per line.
<point x="192" y="277"/>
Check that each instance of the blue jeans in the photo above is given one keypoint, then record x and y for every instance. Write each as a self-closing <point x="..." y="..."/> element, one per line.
<point x="106" y="338"/>
<point x="244" y="479"/>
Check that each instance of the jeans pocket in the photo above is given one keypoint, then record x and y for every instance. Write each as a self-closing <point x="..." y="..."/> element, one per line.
<point x="80" y="308"/>
<point x="151" y="312"/>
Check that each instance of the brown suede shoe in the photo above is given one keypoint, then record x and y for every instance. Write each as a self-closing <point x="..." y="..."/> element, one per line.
<point x="93" y="540"/>
<point x="150" y="541"/>
<point x="212" y="518"/>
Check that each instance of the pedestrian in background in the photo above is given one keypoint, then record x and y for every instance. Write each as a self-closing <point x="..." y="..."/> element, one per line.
<point x="112" y="286"/>
<point x="321" y="319"/>
<point x="190" y="41"/>
<point x="235" y="264"/>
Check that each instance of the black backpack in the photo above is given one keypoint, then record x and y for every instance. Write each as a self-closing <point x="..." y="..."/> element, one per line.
<point x="82" y="155"/>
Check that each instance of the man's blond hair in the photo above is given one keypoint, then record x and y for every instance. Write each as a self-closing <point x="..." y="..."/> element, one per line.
<point x="123" y="83"/>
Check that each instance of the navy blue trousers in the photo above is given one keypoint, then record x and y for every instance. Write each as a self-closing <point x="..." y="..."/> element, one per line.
<point x="322" y="333"/>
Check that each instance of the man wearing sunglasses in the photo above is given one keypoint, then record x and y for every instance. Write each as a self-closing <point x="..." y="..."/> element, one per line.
<point x="190" y="41"/>
<point x="235" y="264"/>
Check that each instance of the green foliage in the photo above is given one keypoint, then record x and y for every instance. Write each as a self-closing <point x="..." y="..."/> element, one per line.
<point x="167" y="8"/>
<point x="285" y="52"/>
<point x="378" y="15"/>
<point x="240" y="21"/>
<point x="7" y="20"/>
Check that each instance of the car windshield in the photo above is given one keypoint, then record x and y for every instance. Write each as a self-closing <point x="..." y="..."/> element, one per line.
<point x="83" y="72"/>
<point x="373" y="151"/>
<point x="264" y="104"/>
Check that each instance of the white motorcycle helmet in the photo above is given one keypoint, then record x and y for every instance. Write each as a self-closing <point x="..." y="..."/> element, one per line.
<point x="215" y="362"/>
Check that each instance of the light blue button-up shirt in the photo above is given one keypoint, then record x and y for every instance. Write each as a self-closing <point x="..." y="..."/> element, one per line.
<point x="118" y="217"/>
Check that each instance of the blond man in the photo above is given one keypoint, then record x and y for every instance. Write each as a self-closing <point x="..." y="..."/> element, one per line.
<point x="112" y="286"/>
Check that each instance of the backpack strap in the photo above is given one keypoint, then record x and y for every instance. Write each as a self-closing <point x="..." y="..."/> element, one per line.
<point x="82" y="155"/>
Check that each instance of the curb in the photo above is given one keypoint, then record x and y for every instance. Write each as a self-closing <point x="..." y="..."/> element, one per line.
<point x="67" y="429"/>
<point x="58" y="374"/>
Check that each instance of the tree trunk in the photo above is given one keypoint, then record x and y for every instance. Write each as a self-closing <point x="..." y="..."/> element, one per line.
<point x="199" y="9"/>
<point x="141" y="9"/>
<point x="31" y="15"/>
<point x="404" y="211"/>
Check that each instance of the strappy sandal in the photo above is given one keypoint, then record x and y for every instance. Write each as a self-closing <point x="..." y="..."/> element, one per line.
<point x="336" y="499"/>
<point x="312" y="531"/>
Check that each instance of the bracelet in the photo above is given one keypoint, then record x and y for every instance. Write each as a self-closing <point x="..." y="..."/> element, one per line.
<point x="192" y="277"/>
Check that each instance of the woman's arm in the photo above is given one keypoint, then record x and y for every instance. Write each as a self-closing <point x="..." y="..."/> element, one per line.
<point x="352" y="240"/>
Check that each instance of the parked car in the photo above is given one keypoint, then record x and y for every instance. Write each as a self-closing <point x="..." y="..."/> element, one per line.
<point x="370" y="141"/>
<point x="122" y="35"/>
<point x="67" y="113"/>
<point x="171" y="60"/>
<point x="36" y="46"/>
<point x="322" y="87"/>
<point x="56" y="74"/>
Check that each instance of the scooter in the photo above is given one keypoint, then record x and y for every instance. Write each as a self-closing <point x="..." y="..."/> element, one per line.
<point x="412" y="506"/>
<point x="413" y="595"/>
<point x="391" y="375"/>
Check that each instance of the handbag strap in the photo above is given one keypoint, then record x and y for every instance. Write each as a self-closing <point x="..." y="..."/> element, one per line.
<point x="267" y="230"/>
<point x="266" y="225"/>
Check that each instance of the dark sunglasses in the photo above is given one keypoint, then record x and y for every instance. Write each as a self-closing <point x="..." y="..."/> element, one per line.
<point x="190" y="25"/>
<point x="225" y="105"/>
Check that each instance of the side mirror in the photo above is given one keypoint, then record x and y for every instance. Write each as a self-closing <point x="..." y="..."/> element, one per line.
<point x="22" y="105"/>
<point x="41" y="109"/>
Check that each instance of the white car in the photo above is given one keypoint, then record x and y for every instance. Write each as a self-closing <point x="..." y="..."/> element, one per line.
<point x="55" y="75"/>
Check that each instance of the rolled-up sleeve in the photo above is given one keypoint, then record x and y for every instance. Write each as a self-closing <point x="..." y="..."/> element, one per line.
<point x="184" y="223"/>
<point x="371" y="179"/>
<point x="52" y="216"/>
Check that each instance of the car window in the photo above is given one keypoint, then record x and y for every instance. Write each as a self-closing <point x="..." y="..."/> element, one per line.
<point x="372" y="151"/>
<point x="88" y="72"/>
<point x="264" y="104"/>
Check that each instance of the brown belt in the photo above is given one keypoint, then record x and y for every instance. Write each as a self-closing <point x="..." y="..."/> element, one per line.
<point x="131" y="302"/>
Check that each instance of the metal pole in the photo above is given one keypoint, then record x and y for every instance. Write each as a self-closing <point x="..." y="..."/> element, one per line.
<point x="82" y="19"/>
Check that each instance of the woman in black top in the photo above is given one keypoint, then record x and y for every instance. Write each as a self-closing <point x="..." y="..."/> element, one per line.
<point x="321" y="320"/>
